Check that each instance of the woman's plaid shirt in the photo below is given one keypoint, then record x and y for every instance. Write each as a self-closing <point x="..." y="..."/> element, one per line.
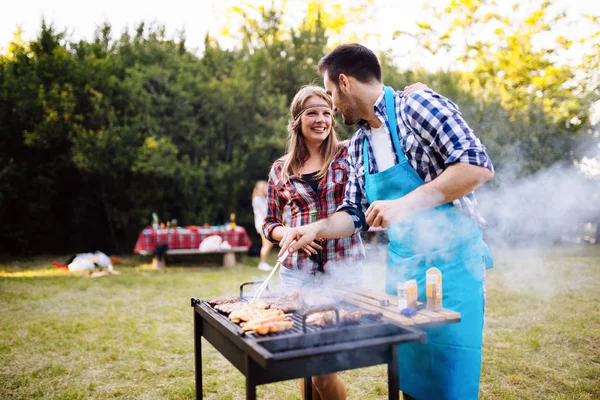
<point x="303" y="200"/>
<point x="433" y="136"/>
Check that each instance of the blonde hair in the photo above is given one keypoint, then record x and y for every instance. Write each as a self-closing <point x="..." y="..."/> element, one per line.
<point x="297" y="152"/>
<point x="257" y="188"/>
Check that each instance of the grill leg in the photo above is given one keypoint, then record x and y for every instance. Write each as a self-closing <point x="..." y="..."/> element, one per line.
<point x="198" y="352"/>
<point x="307" y="387"/>
<point x="250" y="389"/>
<point x="393" y="378"/>
<point x="250" y="382"/>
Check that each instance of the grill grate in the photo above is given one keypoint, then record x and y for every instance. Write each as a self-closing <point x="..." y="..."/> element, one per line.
<point x="297" y="328"/>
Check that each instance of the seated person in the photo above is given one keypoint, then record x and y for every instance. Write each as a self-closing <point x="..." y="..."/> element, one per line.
<point x="89" y="262"/>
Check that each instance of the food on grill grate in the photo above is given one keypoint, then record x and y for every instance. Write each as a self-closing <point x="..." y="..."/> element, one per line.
<point x="228" y="308"/>
<point x="253" y="323"/>
<point x="256" y="317"/>
<point x="252" y="311"/>
<point x="224" y="300"/>
<point x="274" y="326"/>
<point x="263" y="326"/>
<point x="286" y="305"/>
<point x="327" y="318"/>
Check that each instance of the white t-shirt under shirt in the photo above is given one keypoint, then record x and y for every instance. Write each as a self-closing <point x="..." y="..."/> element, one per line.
<point x="383" y="149"/>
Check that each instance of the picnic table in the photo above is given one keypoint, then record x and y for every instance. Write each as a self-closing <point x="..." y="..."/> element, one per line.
<point x="187" y="241"/>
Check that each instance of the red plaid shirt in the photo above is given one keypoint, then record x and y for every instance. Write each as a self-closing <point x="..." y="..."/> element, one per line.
<point x="303" y="200"/>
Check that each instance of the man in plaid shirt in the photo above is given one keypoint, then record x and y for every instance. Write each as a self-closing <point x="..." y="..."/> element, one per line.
<point x="413" y="166"/>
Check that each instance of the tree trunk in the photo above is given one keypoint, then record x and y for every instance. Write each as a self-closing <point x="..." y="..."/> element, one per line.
<point x="110" y="224"/>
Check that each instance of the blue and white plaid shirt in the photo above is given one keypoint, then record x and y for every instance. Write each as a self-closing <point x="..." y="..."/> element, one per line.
<point x="433" y="136"/>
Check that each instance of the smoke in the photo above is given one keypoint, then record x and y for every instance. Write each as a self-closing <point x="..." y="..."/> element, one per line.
<point x="549" y="207"/>
<point x="526" y="218"/>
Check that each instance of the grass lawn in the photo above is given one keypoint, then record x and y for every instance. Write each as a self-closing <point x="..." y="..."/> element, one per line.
<point x="64" y="336"/>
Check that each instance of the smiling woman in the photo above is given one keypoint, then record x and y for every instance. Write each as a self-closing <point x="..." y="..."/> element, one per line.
<point x="311" y="178"/>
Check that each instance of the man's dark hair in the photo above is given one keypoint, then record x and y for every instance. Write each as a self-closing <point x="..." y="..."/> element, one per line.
<point x="353" y="60"/>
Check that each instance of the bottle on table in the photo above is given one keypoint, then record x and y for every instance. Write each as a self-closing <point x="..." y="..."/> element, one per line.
<point x="232" y="224"/>
<point x="433" y="281"/>
<point x="407" y="294"/>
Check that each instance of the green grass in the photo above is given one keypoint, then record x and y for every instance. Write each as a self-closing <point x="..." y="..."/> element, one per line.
<point x="64" y="336"/>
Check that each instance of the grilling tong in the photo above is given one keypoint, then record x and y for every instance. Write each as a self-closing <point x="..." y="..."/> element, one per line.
<point x="265" y="283"/>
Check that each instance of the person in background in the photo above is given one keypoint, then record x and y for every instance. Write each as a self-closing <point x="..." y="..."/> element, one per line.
<point x="414" y="164"/>
<point x="259" y="206"/>
<point x="89" y="262"/>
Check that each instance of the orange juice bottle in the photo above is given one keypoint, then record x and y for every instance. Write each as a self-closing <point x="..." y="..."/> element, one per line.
<point x="433" y="282"/>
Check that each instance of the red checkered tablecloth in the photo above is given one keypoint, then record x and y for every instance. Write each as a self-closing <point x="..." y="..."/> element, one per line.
<point x="188" y="238"/>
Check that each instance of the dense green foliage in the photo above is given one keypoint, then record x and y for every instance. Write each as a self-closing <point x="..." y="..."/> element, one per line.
<point x="95" y="136"/>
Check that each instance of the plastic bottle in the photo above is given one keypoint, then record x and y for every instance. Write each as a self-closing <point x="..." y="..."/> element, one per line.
<point x="407" y="294"/>
<point x="433" y="281"/>
<point x="232" y="221"/>
<point x="155" y="224"/>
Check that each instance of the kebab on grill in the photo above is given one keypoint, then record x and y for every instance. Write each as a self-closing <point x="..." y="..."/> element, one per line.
<point x="224" y="300"/>
<point x="274" y="326"/>
<point x="327" y="318"/>
<point x="286" y="305"/>
<point x="228" y="308"/>
<point x="262" y="326"/>
<point x="256" y="317"/>
<point x="250" y="311"/>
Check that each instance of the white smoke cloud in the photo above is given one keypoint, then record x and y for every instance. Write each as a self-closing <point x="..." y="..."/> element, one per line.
<point x="540" y="209"/>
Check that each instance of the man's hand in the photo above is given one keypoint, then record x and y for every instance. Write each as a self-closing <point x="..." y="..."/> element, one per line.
<point x="384" y="213"/>
<point x="299" y="238"/>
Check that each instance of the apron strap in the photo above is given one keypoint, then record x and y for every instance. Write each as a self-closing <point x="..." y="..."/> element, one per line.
<point x="390" y="107"/>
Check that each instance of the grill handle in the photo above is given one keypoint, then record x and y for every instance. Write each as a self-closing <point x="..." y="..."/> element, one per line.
<point x="317" y="310"/>
<point x="248" y="284"/>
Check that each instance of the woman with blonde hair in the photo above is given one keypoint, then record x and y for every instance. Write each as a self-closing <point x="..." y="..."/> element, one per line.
<point x="311" y="178"/>
<point x="259" y="206"/>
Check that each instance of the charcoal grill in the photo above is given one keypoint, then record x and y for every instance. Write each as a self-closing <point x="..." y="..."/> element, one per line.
<point x="301" y="352"/>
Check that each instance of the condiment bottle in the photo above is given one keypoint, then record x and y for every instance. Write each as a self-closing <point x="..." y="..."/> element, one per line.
<point x="407" y="294"/>
<point x="434" y="289"/>
<point x="232" y="221"/>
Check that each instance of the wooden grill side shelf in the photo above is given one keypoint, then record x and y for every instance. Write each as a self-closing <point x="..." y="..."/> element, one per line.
<point x="371" y="301"/>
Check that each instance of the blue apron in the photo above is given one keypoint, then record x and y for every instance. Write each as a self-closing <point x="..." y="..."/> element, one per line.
<point x="448" y="366"/>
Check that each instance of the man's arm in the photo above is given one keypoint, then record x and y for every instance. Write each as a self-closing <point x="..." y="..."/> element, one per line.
<point x="439" y="124"/>
<point x="456" y="181"/>
<point x="338" y="225"/>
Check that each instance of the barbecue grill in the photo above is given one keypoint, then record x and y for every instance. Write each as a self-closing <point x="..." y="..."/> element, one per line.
<point x="304" y="350"/>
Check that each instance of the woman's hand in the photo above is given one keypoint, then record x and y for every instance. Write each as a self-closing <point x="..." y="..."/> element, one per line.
<point x="413" y="88"/>
<point x="309" y="248"/>
<point x="312" y="248"/>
